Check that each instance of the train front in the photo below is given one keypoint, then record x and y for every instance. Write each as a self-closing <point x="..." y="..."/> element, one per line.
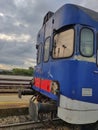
<point x="75" y="64"/>
<point x="67" y="67"/>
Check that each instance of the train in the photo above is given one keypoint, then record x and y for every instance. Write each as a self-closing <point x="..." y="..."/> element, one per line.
<point x="66" y="74"/>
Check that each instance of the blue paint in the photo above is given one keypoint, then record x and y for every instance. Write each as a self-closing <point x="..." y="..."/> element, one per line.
<point x="71" y="73"/>
<point x="75" y="75"/>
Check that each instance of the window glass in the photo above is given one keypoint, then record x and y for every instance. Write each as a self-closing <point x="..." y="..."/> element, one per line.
<point x="63" y="44"/>
<point x="87" y="42"/>
<point x="46" y="49"/>
<point x="39" y="54"/>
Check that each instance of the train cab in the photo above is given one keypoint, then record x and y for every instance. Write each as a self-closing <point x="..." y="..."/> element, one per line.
<point x="67" y="63"/>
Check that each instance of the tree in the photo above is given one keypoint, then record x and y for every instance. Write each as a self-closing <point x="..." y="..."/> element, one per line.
<point x="19" y="71"/>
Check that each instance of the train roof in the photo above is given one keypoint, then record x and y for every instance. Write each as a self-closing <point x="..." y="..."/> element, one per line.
<point x="69" y="14"/>
<point x="91" y="13"/>
<point x="72" y="14"/>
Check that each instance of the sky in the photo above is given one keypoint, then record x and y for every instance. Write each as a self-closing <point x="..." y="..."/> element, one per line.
<point x="20" y="21"/>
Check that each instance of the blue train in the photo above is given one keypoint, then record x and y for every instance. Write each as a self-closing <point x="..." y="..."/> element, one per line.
<point x="67" y="63"/>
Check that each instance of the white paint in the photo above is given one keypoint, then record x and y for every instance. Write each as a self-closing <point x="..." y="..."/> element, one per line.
<point x="82" y="58"/>
<point x="86" y="91"/>
<point x="77" y="112"/>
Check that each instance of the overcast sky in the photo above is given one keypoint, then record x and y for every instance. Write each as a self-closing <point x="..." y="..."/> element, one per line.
<point x="20" y="21"/>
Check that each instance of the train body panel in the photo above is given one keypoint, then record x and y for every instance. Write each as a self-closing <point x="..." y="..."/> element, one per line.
<point x="67" y="63"/>
<point x="77" y="112"/>
<point x="84" y="87"/>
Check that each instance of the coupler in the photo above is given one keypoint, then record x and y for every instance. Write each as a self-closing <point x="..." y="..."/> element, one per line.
<point x="25" y="92"/>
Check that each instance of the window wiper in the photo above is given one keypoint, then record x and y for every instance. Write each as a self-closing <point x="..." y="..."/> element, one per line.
<point x="64" y="46"/>
<point x="64" y="49"/>
<point x="58" y="51"/>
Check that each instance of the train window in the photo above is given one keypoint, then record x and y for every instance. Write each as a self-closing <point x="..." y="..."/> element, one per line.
<point x="87" y="42"/>
<point x="39" y="54"/>
<point x="46" y="49"/>
<point x="63" y="44"/>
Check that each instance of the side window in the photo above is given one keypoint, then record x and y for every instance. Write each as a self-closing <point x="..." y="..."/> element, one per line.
<point x="86" y="42"/>
<point x="39" y="54"/>
<point x="46" y="49"/>
<point x="63" y="44"/>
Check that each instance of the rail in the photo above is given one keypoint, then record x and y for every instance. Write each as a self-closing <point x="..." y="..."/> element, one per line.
<point x="8" y="82"/>
<point x="19" y="126"/>
<point x="46" y="124"/>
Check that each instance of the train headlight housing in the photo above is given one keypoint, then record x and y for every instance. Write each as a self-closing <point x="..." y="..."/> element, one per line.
<point x="55" y="87"/>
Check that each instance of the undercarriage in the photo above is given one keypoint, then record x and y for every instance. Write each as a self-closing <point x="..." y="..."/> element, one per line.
<point x="43" y="108"/>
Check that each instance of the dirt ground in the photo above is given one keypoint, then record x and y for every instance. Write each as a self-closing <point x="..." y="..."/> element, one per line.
<point x="12" y="100"/>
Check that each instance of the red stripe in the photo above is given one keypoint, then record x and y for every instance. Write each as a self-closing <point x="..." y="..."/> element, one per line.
<point x="43" y="84"/>
<point x="37" y="82"/>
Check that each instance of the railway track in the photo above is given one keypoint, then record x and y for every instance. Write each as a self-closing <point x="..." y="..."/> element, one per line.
<point x="21" y="126"/>
<point x="8" y="82"/>
<point x="55" y="124"/>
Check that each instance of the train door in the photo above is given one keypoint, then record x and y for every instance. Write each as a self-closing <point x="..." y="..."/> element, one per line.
<point x="38" y="69"/>
<point x="45" y="82"/>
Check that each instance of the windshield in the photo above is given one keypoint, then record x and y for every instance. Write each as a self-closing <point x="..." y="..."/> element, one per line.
<point x="63" y="44"/>
<point x="86" y="42"/>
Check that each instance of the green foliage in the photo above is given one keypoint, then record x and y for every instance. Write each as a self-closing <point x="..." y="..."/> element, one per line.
<point x="19" y="71"/>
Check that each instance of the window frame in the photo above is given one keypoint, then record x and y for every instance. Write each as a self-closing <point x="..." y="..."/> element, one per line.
<point x="80" y="41"/>
<point x="59" y="31"/>
<point x="48" y="38"/>
<point x="39" y="52"/>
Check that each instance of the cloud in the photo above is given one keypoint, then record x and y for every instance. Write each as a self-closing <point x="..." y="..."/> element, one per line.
<point x="91" y="4"/>
<point x="20" y="21"/>
<point x="14" y="37"/>
<point x="5" y="67"/>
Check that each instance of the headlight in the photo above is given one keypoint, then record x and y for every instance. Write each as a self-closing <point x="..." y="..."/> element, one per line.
<point x="54" y="87"/>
